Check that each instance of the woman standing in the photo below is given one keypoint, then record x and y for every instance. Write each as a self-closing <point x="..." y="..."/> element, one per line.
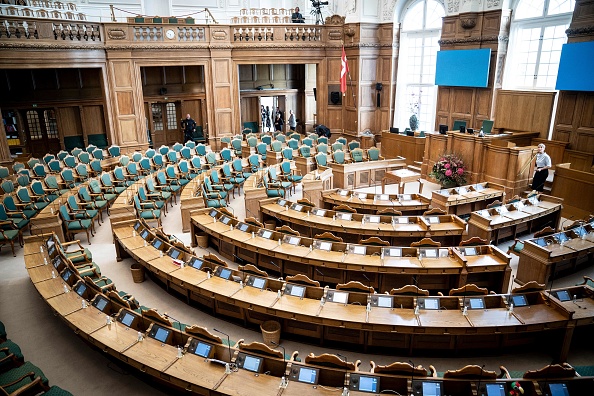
<point x="292" y="120"/>
<point x="541" y="172"/>
<point x="278" y="122"/>
<point x="263" y="112"/>
<point x="267" y="115"/>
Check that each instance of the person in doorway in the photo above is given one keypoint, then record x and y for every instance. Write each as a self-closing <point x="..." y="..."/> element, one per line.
<point x="296" y="17"/>
<point x="267" y="116"/>
<point x="189" y="127"/>
<point x="278" y="122"/>
<point x="541" y="172"/>
<point x="292" y="121"/>
<point x="263" y="111"/>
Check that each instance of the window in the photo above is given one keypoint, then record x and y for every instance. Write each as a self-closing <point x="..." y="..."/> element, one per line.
<point x="537" y="35"/>
<point x="34" y="126"/>
<point x="171" y="117"/>
<point x="157" y="116"/>
<point x="51" y="126"/>
<point x="416" y="91"/>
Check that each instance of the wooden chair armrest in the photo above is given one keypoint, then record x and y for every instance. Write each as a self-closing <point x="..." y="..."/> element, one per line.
<point x="30" y="374"/>
<point x="77" y="241"/>
<point x="294" y="356"/>
<point x="503" y="373"/>
<point x="432" y="371"/>
<point x="28" y="389"/>
<point x="9" y="223"/>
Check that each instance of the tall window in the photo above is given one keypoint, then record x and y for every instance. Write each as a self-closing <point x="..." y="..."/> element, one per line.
<point x="34" y="126"/>
<point x="416" y="91"/>
<point x="537" y="35"/>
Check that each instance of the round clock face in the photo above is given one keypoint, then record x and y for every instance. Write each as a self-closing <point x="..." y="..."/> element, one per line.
<point x="170" y="34"/>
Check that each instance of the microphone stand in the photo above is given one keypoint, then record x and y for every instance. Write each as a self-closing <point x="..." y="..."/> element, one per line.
<point x="345" y="390"/>
<point x="279" y="269"/>
<point x="228" y="365"/>
<point x="320" y="272"/>
<point x="478" y="388"/>
<point x="178" y="323"/>
<point x="284" y="381"/>
<point x="412" y="378"/>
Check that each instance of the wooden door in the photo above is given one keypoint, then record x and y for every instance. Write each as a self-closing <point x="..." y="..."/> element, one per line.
<point x="165" y="123"/>
<point x="41" y="129"/>
<point x="251" y="116"/>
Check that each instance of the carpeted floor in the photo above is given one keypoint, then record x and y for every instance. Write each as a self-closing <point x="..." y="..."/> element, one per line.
<point x="71" y="364"/>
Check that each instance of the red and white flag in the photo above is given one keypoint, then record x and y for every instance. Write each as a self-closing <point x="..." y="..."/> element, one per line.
<point x="344" y="69"/>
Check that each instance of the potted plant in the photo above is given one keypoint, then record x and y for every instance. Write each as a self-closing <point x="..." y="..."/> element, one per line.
<point x="449" y="171"/>
<point x="414" y="106"/>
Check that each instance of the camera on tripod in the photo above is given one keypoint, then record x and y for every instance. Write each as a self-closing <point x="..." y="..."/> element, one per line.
<point x="318" y="4"/>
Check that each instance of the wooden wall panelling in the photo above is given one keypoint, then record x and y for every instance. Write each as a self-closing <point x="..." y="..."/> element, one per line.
<point x="69" y="122"/>
<point x="92" y="121"/>
<point x="565" y="185"/>
<point x="524" y="111"/>
<point x="579" y="160"/>
<point x="224" y="105"/>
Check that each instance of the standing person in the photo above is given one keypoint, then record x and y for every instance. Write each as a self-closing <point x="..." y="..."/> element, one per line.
<point x="543" y="164"/>
<point x="267" y="115"/>
<point x="263" y="112"/>
<point x="296" y="17"/>
<point x="189" y="127"/>
<point x="278" y="122"/>
<point x="282" y="117"/>
<point x="292" y="120"/>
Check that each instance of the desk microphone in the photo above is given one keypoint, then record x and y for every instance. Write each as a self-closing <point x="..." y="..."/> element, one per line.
<point x="478" y="388"/>
<point x="178" y="323"/>
<point x="283" y="379"/>
<point x="279" y="269"/>
<point x="228" y="342"/>
<point x="345" y="390"/>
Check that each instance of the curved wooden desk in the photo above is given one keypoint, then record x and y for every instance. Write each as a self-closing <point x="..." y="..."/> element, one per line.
<point x="492" y="327"/>
<point x="465" y="199"/>
<point x="446" y="229"/>
<point x="368" y="203"/>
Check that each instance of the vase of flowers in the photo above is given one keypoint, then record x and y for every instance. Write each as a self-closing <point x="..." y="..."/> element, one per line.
<point x="414" y="107"/>
<point x="449" y="171"/>
<point x="413" y="122"/>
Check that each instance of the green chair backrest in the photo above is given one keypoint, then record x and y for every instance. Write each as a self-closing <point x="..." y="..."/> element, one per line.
<point x="338" y="156"/>
<point x="373" y="154"/>
<point x="287" y="153"/>
<point x="458" y="124"/>
<point x="276" y="146"/>
<point x="322" y="148"/>
<point x="357" y="155"/>
<point x="321" y="159"/>
<point x="305" y="151"/>
<point x="487" y="126"/>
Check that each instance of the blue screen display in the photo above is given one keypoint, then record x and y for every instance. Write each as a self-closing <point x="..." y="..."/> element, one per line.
<point x="573" y="75"/>
<point x="463" y="68"/>
<point x="161" y="334"/>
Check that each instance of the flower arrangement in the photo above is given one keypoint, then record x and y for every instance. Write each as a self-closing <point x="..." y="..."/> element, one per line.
<point x="414" y="107"/>
<point x="449" y="169"/>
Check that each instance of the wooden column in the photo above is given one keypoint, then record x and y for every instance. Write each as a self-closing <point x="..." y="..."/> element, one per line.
<point x="4" y="150"/>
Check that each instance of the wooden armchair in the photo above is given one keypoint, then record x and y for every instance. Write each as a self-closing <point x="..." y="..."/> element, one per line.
<point x="355" y="286"/>
<point x="331" y="361"/>
<point x="328" y="236"/>
<point x="475" y="372"/>
<point x="301" y="279"/>
<point x="409" y="290"/>
<point x="405" y="369"/>
<point x="426" y="242"/>
<point x="469" y="290"/>
<point x="528" y="287"/>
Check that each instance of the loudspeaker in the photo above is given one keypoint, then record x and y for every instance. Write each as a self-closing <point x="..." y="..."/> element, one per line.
<point x="394" y="130"/>
<point x="315" y="94"/>
<point x="462" y="129"/>
<point x="335" y="97"/>
<point x="470" y="130"/>
<point x="163" y="91"/>
<point x="443" y="129"/>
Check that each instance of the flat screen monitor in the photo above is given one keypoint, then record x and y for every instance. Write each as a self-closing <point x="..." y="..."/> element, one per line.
<point x="157" y="243"/>
<point x="443" y="129"/>
<point x="479" y="187"/>
<point x="202" y="349"/>
<point x="224" y="273"/>
<point x="430" y="303"/>
<point x="463" y="68"/>
<point x="362" y="196"/>
<point x="343" y="193"/>
<point x="476" y="303"/>
<point x="338" y="297"/>
<point x="384" y="301"/>
<point x="213" y="213"/>
<point x="161" y="334"/>
<point x="174" y="253"/>
<point x="57" y="262"/>
<point x="563" y="295"/>
<point x="393" y="252"/>
<point x="403" y="220"/>
<point x="295" y="290"/>
<point x="80" y="289"/>
<point x="382" y="197"/>
<point x="470" y="251"/>
<point x="429" y="253"/>
<point x="541" y="242"/>
<point x="431" y="388"/>
<point x="137" y="226"/>
<point x="344" y="216"/>
<point x="580" y="231"/>
<point x="461" y="190"/>
<point x="292" y="240"/>
<point x="100" y="303"/>
<point x="144" y="234"/>
<point x="558" y="389"/>
<point x="561" y="237"/>
<point x="325" y="246"/>
<point x="519" y="300"/>
<point x="308" y="375"/>
<point x="433" y="220"/>
<point x="297" y="207"/>
<point x="252" y="363"/>
<point x="445" y="193"/>
<point x="66" y="275"/>
<point x="265" y="233"/>
<point x="225" y="220"/>
<point x="243" y="227"/>
<point x="405" y="197"/>
<point x="495" y="389"/>
<point x="281" y="202"/>
<point x="50" y="242"/>
<point x="51" y="250"/>
<point x="373" y="219"/>
<point x="258" y="283"/>
<point x="358" y="249"/>
<point x="319" y="212"/>
<point x="368" y="384"/>
<point x="127" y="318"/>
<point x="195" y="263"/>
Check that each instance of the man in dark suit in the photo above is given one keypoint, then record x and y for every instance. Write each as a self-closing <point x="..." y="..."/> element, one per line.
<point x="189" y="126"/>
<point x="297" y="17"/>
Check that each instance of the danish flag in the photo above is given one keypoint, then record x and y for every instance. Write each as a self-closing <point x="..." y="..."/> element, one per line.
<point x="344" y="69"/>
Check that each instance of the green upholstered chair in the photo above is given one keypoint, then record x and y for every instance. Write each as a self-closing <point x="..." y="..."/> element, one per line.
<point x="39" y="171"/>
<point x="357" y="155"/>
<point x="8" y="237"/>
<point x="321" y="160"/>
<point x="208" y="186"/>
<point x="2" y="332"/>
<point x="226" y="140"/>
<point x="168" y="182"/>
<point x="68" y="178"/>
<point x="275" y="181"/>
<point x="252" y="141"/>
<point x="273" y="190"/>
<point x="239" y="169"/>
<point x="119" y="178"/>
<point x="276" y="146"/>
<point x="32" y="162"/>
<point x="17" y="377"/>
<point x="254" y="162"/>
<point x="293" y="144"/>
<point x="10" y="355"/>
<point x="84" y="157"/>
<point x="163" y="150"/>
<point x="342" y="140"/>
<point x="13" y="222"/>
<point x="76" y="151"/>
<point x="186" y="153"/>
<point x="287" y="153"/>
<point x="183" y="167"/>
<point x="74" y="251"/>
<point x="211" y="159"/>
<point x="295" y="136"/>
<point x="337" y="146"/>
<point x="81" y="172"/>
<point x="114" y="151"/>
<point x="51" y="183"/>
<point x="157" y="162"/>
<point x="373" y="154"/>
<point x="213" y="199"/>
<point x="261" y="150"/>
<point x="150" y="202"/>
<point x="353" y="145"/>
<point x="172" y="157"/>
<point x="177" y="147"/>
<point x="54" y="166"/>
<point x="7" y="186"/>
<point x="458" y="124"/>
<point x="226" y="154"/>
<point x="487" y="127"/>
<point x="322" y="148"/>
<point x="107" y="184"/>
<point x="322" y="139"/>
<point x="75" y="226"/>
<point x="236" y="145"/>
<point x="155" y="192"/>
<point x="266" y="139"/>
<point x="48" y="157"/>
<point x="308" y="142"/>
<point x="132" y="171"/>
<point x="25" y="201"/>
<point x="289" y="174"/>
<point x="195" y="166"/>
<point x="305" y="151"/>
<point x="200" y="150"/>
<point x="98" y="194"/>
<point x="13" y="211"/>
<point x="69" y="161"/>
<point x="144" y="166"/>
<point x="281" y="138"/>
<point x="87" y="202"/>
<point x="136" y="156"/>
<point x="220" y="184"/>
<point x="79" y="212"/>
<point x="146" y="210"/>
<point x="98" y="154"/>
<point x="40" y="194"/>
<point x="338" y="157"/>
<point x="233" y="177"/>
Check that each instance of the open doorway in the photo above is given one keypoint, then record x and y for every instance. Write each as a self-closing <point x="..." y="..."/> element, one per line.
<point x="269" y="104"/>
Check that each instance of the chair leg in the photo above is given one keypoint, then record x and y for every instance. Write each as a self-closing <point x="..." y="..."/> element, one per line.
<point x="12" y="247"/>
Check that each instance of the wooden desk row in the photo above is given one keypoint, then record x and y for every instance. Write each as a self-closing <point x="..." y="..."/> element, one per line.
<point x="369" y="203"/>
<point x="335" y="262"/>
<point x="542" y="258"/>
<point x="397" y="327"/>
<point x="193" y="359"/>
<point x="524" y="215"/>
<point x="466" y="199"/>
<point x="397" y="230"/>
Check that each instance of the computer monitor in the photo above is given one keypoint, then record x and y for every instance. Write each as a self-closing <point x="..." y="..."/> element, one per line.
<point x="402" y="220"/>
<point x="558" y="389"/>
<point x="344" y="216"/>
<point x="281" y="202"/>
<point x="297" y="207"/>
<point x="359" y="249"/>
<point x="495" y="389"/>
<point x="308" y="375"/>
<point x="470" y="251"/>
<point x="225" y="220"/>
<point x="385" y="301"/>
<point x="264" y="233"/>
<point x="392" y="252"/>
<point x="580" y="231"/>
<point x="362" y="196"/>
<point x="429" y="253"/>
<point x="429" y="303"/>
<point x="157" y="243"/>
<point x="224" y="273"/>
<point x="174" y="253"/>
<point x="200" y="348"/>
<point x="51" y="250"/>
<point x="137" y="226"/>
<point x="292" y="240"/>
<point x="431" y="388"/>
<point x="319" y="212"/>
<point x="519" y="300"/>
<point x="100" y="303"/>
<point x="126" y="318"/>
<point x="561" y="237"/>
<point x="213" y="213"/>
<point x="258" y="283"/>
<point x="562" y="295"/>
<point x="295" y="290"/>
<point x="373" y="219"/>
<point x="195" y="263"/>
<point x="365" y="383"/>
<point x="382" y="197"/>
<point x="144" y="234"/>
<point x="476" y="303"/>
<point x="443" y="129"/>
<point x="541" y="242"/>
<point x="322" y="245"/>
<point x="160" y="334"/>
<point x="433" y="220"/>
<point x="80" y="289"/>
<point x="57" y="262"/>
<point x="394" y="130"/>
<point x="339" y="297"/>
<point x="66" y="275"/>
<point x="250" y="363"/>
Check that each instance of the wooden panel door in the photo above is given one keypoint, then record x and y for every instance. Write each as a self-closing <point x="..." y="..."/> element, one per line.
<point x="164" y="122"/>
<point x="41" y="129"/>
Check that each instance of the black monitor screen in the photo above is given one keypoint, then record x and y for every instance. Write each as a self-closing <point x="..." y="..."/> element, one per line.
<point x="174" y="253"/>
<point x="161" y="334"/>
<point x="252" y="363"/>
<point x="541" y="242"/>
<point x="308" y="375"/>
<point x="519" y="301"/>
<point x="195" y="263"/>
<point x="51" y="250"/>
<point x="225" y="273"/>
<point x="225" y="220"/>
<point x="57" y="261"/>
<point x="203" y="349"/>
<point x="127" y="319"/>
<point x="297" y="291"/>
<point x="368" y="384"/>
<point x="66" y="275"/>
<point x="213" y="213"/>
<point x="431" y="389"/>
<point x="144" y="234"/>
<point x="477" y="303"/>
<point x="157" y="243"/>
<point x="100" y="303"/>
<point x="259" y="283"/>
<point x="495" y="389"/>
<point x="81" y="289"/>
<point x="563" y="295"/>
<point x="243" y="227"/>
<point x="559" y="389"/>
<point x="443" y="129"/>
<point x="137" y="225"/>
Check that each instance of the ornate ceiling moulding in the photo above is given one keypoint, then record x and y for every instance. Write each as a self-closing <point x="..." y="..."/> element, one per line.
<point x="116" y="34"/>
<point x="468" y="20"/>
<point x="585" y="30"/>
<point x="50" y="47"/>
<point x="219" y="35"/>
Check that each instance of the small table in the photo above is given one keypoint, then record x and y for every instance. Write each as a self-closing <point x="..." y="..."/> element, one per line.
<point x="401" y="177"/>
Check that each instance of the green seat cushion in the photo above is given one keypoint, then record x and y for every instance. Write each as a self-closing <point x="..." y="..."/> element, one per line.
<point x="71" y="256"/>
<point x="12" y="348"/>
<point x="16" y="373"/>
<point x="99" y="140"/>
<point x="2" y="331"/>
<point x="79" y="225"/>
<point x="9" y="235"/>
<point x="57" y="391"/>
<point x="91" y="213"/>
<point x="150" y="214"/>
<point x="518" y="247"/>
